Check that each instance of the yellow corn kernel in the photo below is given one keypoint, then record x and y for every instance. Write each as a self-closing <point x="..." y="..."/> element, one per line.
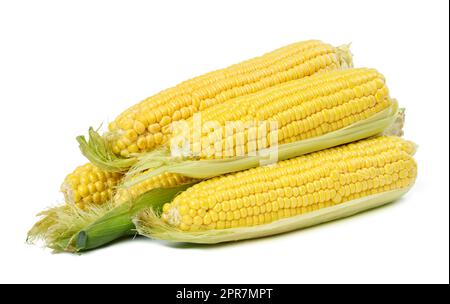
<point x="87" y="185"/>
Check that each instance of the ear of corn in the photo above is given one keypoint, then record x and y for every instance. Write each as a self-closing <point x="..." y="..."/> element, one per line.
<point x="145" y="126"/>
<point x="314" y="113"/>
<point x="293" y="194"/>
<point x="151" y="226"/>
<point x="302" y="109"/>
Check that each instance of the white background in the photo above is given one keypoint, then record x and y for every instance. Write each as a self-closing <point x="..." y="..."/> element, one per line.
<point x="68" y="65"/>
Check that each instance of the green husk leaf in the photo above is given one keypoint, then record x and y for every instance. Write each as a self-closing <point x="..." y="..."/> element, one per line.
<point x="161" y="161"/>
<point x="149" y="223"/>
<point x="68" y="228"/>
<point x="97" y="150"/>
<point x="118" y="222"/>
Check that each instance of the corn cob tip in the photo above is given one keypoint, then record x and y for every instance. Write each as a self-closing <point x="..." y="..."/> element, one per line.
<point x="396" y="128"/>
<point x="345" y="55"/>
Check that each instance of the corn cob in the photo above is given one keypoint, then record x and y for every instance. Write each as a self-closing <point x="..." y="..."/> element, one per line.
<point x="302" y="109"/>
<point x="145" y="125"/>
<point x="313" y="113"/>
<point x="296" y="193"/>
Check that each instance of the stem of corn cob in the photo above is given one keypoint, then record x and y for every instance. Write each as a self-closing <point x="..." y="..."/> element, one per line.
<point x="59" y="224"/>
<point x="388" y="121"/>
<point x="68" y="228"/>
<point x="118" y="222"/>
